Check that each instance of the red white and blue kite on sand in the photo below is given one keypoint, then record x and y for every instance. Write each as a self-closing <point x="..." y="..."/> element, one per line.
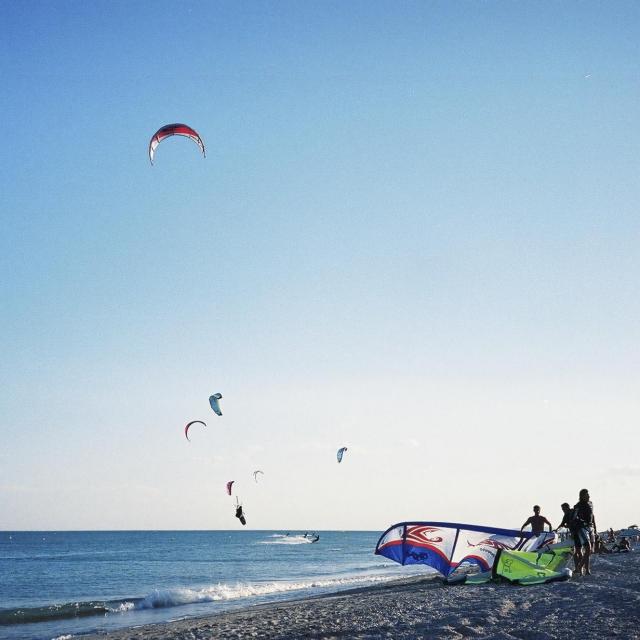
<point x="445" y="545"/>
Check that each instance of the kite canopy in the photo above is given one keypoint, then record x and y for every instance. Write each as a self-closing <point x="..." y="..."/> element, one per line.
<point x="173" y="130"/>
<point x="522" y="567"/>
<point x="528" y="567"/>
<point x="215" y="405"/>
<point x="341" y="453"/>
<point x="255" y="474"/>
<point x="229" y="485"/>
<point x="186" y="429"/>
<point x="445" y="545"/>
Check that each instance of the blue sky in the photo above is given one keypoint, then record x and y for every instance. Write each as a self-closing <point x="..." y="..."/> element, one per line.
<point x="415" y="234"/>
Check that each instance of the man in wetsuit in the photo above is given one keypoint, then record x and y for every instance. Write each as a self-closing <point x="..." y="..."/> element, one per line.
<point x="569" y="521"/>
<point x="583" y="534"/>
<point x="568" y="517"/>
<point x="537" y="522"/>
<point x="240" y="515"/>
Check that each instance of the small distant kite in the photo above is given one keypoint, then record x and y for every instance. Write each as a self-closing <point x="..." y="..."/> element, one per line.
<point x="186" y="429"/>
<point x="215" y="405"/>
<point x="341" y="453"/>
<point x="229" y="485"/>
<point x="255" y="474"/>
<point x="173" y="130"/>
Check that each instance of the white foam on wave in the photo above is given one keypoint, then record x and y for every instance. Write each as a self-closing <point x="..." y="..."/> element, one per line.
<point x="123" y="607"/>
<point x="161" y="598"/>
<point x="287" y="540"/>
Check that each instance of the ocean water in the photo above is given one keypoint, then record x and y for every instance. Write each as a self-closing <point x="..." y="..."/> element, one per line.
<point x="56" y="584"/>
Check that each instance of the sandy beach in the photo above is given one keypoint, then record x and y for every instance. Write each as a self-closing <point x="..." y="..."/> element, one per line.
<point x="603" y="605"/>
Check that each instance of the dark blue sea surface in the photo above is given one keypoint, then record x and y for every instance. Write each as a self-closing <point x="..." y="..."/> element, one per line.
<point x="55" y="584"/>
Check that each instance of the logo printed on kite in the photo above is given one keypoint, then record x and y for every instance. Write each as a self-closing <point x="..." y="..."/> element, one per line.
<point x="489" y="542"/>
<point x="421" y="534"/>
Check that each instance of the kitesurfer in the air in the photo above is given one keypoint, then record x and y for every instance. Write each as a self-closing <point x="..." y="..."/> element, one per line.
<point x="537" y="522"/>
<point x="584" y="527"/>
<point x="240" y="514"/>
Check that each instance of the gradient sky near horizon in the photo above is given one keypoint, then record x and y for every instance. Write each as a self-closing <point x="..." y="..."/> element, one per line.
<point x="415" y="234"/>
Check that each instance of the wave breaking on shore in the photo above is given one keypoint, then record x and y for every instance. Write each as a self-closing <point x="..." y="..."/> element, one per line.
<point x="166" y="598"/>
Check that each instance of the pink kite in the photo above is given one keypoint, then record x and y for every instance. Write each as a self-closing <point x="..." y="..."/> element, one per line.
<point x="186" y="429"/>
<point x="173" y="130"/>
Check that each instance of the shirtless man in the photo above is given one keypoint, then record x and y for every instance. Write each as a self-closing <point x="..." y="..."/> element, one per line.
<point x="537" y="522"/>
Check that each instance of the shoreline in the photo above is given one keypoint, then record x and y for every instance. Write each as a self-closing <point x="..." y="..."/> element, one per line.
<point x="605" y="604"/>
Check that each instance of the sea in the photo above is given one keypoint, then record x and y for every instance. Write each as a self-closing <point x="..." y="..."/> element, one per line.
<point x="63" y="584"/>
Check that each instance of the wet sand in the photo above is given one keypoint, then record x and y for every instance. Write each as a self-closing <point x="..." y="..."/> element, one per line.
<point x="603" y="605"/>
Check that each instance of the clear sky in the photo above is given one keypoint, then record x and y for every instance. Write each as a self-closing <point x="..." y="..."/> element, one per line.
<point x="415" y="234"/>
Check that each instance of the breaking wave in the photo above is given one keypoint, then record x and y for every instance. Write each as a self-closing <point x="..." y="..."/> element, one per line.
<point x="163" y="598"/>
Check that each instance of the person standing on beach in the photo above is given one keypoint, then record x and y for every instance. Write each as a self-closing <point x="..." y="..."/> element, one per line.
<point x="569" y="521"/>
<point x="585" y="525"/>
<point x="537" y="522"/>
<point x="567" y="518"/>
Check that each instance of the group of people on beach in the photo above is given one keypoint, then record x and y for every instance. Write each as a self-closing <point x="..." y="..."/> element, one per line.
<point x="621" y="546"/>
<point x="580" y="521"/>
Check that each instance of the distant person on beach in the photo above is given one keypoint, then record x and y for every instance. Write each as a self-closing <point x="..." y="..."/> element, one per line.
<point x="584" y="537"/>
<point x="622" y="546"/>
<point x="611" y="536"/>
<point x="600" y="546"/>
<point x="537" y="522"/>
